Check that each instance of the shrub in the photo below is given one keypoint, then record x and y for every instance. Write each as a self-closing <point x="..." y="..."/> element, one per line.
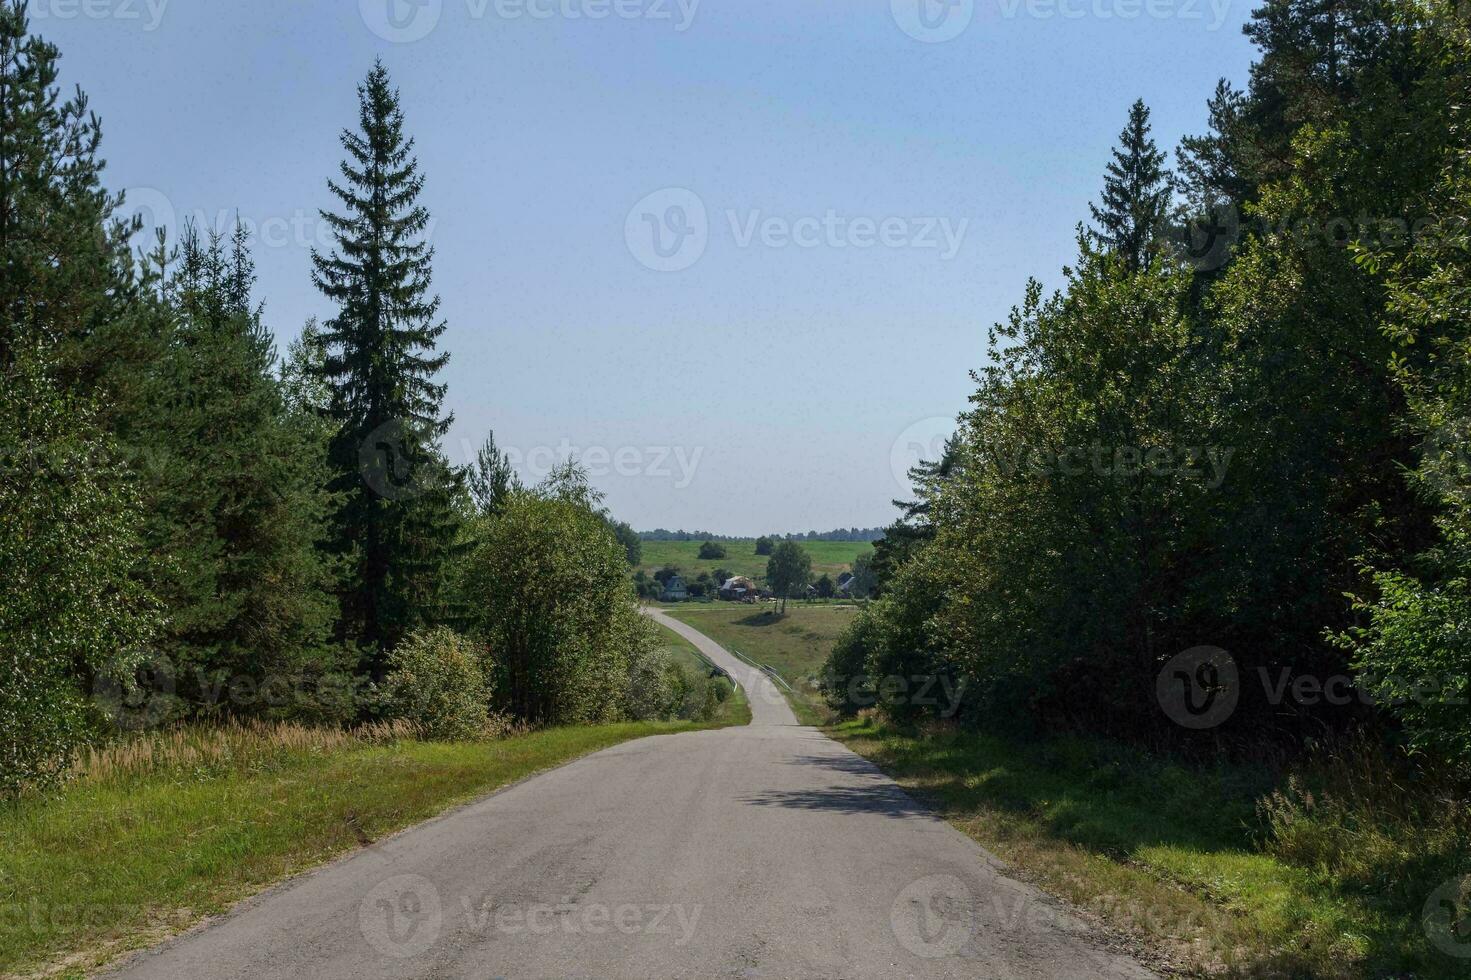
<point x="845" y="684"/>
<point x="559" y="617"/>
<point x="436" y="681"/>
<point x="655" y="686"/>
<point x="711" y="550"/>
<point x="764" y="546"/>
<point x="74" y="620"/>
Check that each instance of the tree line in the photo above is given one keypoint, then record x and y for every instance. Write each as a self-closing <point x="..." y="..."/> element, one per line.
<point x="1229" y="453"/>
<point x="195" y="529"/>
<point x="837" y="534"/>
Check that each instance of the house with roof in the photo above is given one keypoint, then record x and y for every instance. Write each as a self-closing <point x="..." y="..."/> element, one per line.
<point x="737" y="588"/>
<point x="674" y="590"/>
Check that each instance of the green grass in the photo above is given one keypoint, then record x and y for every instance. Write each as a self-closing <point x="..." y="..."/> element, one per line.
<point x="120" y="863"/>
<point x="1179" y="857"/>
<point x="795" y="645"/>
<point x="832" y="557"/>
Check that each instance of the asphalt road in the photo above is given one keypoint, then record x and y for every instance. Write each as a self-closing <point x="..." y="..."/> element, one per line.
<point x="763" y="851"/>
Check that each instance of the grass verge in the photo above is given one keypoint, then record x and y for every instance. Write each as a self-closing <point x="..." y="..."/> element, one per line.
<point x="125" y="859"/>
<point x="1188" y="861"/>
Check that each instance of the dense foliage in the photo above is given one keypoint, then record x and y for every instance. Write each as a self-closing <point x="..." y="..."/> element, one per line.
<point x="1238" y="426"/>
<point x="566" y="642"/>
<point x="437" y="681"/>
<point x="192" y="531"/>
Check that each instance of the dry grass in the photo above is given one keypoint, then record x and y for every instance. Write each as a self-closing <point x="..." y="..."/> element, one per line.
<point x="244" y="747"/>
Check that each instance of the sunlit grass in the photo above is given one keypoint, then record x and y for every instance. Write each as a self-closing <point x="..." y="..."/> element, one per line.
<point x="1186" y="860"/>
<point x="159" y="833"/>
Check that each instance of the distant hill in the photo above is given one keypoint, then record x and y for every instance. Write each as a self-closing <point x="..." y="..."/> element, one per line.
<point x="839" y="534"/>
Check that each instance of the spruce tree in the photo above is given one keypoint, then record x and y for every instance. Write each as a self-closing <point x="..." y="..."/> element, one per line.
<point x="237" y="489"/>
<point x="1136" y="194"/>
<point x="65" y="260"/>
<point x="491" y="478"/>
<point x="398" y="522"/>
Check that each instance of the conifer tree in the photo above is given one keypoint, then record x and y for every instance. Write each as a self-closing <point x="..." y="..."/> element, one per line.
<point x="1136" y="194"/>
<point x="237" y="488"/>
<point x="399" y="519"/>
<point x="491" y="477"/>
<point x="65" y="261"/>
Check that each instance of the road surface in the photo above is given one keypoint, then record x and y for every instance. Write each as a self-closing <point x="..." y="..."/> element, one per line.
<point x="762" y="851"/>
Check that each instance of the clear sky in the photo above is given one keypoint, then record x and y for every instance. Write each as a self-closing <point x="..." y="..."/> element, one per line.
<point x="738" y="255"/>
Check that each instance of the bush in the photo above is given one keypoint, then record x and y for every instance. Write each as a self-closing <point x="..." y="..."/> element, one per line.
<point x="559" y="618"/>
<point x="436" y="681"/>
<point x="764" y="546"/>
<point x="655" y="686"/>
<point x="711" y="550"/>
<point x="845" y="683"/>
<point x="74" y="620"/>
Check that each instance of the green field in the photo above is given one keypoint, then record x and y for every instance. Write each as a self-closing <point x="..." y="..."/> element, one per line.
<point x="795" y="645"/>
<point x="832" y="557"/>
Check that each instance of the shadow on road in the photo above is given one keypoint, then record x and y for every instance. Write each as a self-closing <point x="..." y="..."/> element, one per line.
<point x="875" y="794"/>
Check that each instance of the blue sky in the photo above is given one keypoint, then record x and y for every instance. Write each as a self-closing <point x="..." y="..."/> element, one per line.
<point x="845" y="196"/>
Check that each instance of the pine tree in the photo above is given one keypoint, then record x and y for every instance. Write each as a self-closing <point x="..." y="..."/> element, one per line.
<point x="491" y="477"/>
<point x="65" y="261"/>
<point x="399" y="517"/>
<point x="1136" y="194"/>
<point x="237" y="491"/>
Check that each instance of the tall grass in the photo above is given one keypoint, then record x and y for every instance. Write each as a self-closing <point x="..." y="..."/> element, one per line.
<point x="254" y="746"/>
<point x="1376" y="823"/>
